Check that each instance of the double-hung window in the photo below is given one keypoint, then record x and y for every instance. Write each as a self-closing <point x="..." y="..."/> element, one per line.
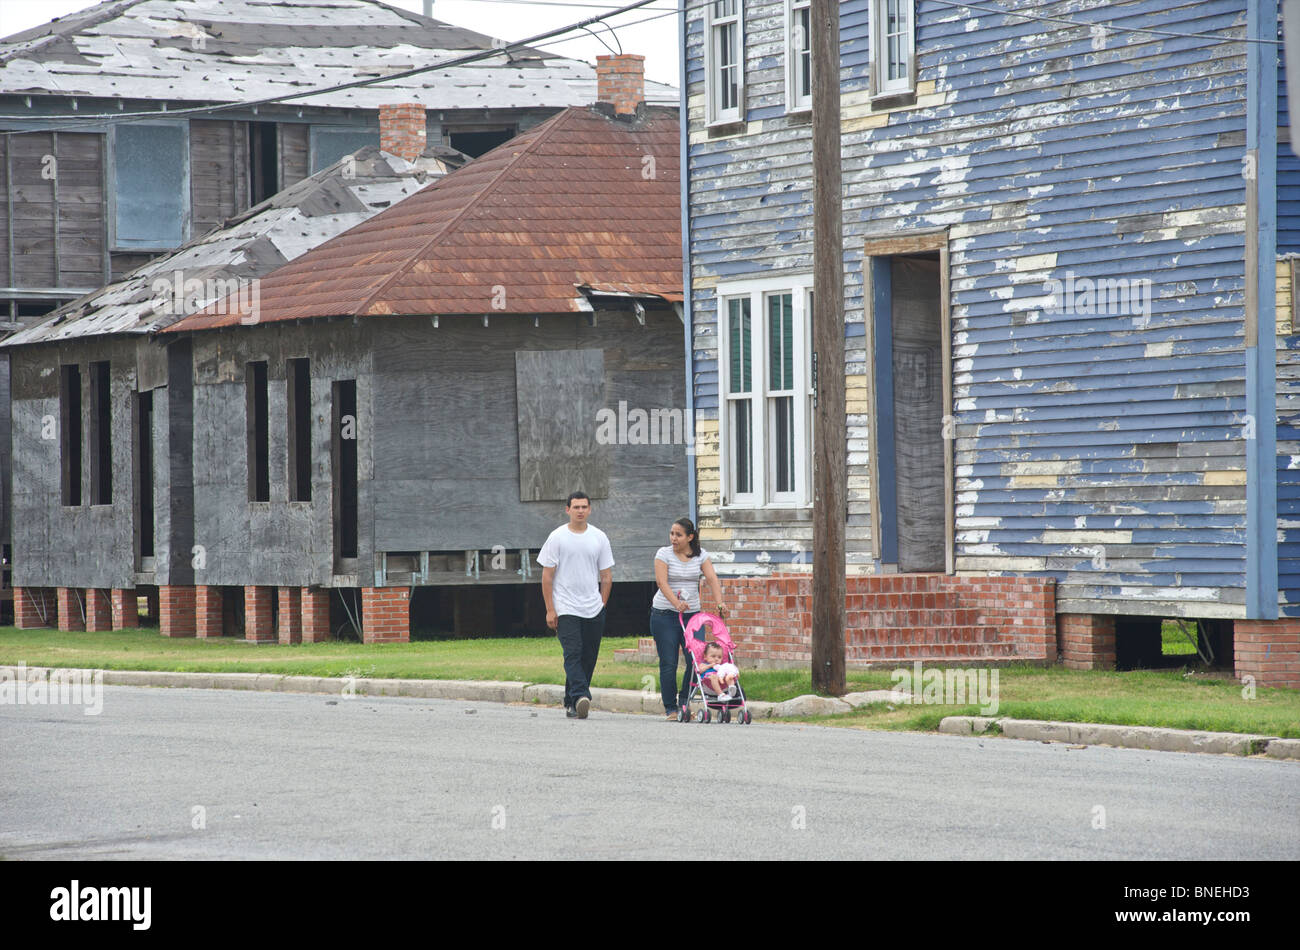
<point x="798" y="55"/>
<point x="766" y="406"/>
<point x="724" y="61"/>
<point x="893" y="47"/>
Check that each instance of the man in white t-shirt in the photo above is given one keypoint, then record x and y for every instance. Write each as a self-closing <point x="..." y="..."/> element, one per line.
<point x="577" y="577"/>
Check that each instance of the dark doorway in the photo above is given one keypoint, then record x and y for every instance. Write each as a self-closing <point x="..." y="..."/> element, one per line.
<point x="144" y="498"/>
<point x="70" y="433"/>
<point x="263" y="161"/>
<point x="100" y="423"/>
<point x="909" y="399"/>
<point x="918" y="413"/>
<point x="344" y="441"/>
<point x="298" y="372"/>
<point x="259" y="439"/>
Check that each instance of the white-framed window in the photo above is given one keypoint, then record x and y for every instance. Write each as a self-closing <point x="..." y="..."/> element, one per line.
<point x="893" y="47"/>
<point x="798" y="55"/>
<point x="724" y="60"/>
<point x="765" y="380"/>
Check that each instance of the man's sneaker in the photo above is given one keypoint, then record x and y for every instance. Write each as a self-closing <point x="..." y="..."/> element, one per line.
<point x="584" y="704"/>
<point x="570" y="712"/>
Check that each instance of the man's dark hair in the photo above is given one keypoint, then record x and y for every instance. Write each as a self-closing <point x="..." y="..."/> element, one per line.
<point x="577" y="494"/>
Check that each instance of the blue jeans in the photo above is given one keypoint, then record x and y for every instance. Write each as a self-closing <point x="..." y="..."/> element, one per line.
<point x="580" y="640"/>
<point x="667" y="631"/>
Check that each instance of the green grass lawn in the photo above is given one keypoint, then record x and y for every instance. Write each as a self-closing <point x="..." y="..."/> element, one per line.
<point x="530" y="659"/>
<point x="1177" y="698"/>
<point x="1173" y="642"/>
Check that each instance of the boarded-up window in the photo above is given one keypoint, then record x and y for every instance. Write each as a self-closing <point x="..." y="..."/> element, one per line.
<point x="559" y="394"/>
<point x="151" y="192"/>
<point x="328" y="145"/>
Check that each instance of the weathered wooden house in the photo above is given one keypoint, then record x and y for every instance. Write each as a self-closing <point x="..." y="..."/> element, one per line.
<point x="101" y="414"/>
<point x="393" y="429"/>
<point x="90" y="195"/>
<point x="134" y="126"/>
<point x="1069" y="326"/>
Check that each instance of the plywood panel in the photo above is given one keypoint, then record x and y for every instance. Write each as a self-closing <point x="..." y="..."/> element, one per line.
<point x="559" y="393"/>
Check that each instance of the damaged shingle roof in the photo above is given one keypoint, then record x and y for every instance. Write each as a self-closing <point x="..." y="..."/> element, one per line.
<point x="217" y="51"/>
<point x="248" y="246"/>
<point x="584" y="204"/>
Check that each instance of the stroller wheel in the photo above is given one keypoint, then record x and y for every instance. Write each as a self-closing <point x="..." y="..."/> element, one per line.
<point x="749" y="717"/>
<point x="702" y="715"/>
<point x="708" y="716"/>
<point x="726" y="715"/>
<point x="683" y="714"/>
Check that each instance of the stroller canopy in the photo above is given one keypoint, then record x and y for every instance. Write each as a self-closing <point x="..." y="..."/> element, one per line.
<point x="695" y="642"/>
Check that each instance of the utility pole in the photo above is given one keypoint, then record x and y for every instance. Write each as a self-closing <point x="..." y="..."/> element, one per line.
<point x="829" y="422"/>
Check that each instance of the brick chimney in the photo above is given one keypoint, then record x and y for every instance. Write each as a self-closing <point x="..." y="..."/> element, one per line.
<point x="620" y="81"/>
<point x="401" y="130"/>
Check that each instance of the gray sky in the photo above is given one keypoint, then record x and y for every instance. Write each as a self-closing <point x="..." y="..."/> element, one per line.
<point x="507" y="19"/>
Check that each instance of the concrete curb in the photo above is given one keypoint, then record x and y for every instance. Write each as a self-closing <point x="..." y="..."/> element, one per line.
<point x="649" y="703"/>
<point x="1125" y="737"/>
<point x="484" y="691"/>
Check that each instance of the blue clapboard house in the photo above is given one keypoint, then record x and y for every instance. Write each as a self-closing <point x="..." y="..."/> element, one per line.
<point x="1070" y="234"/>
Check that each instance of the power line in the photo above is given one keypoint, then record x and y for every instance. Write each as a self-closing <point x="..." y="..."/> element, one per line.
<point x="557" y="37"/>
<point x="505" y="48"/>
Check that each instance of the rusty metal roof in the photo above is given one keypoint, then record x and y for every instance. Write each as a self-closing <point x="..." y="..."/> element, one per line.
<point x="584" y="203"/>
<point x="249" y="245"/>
<point x="218" y="51"/>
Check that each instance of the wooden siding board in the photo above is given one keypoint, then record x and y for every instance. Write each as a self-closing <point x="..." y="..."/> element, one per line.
<point x="218" y="167"/>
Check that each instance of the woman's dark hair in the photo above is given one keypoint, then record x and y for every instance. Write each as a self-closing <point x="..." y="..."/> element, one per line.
<point x="689" y="527"/>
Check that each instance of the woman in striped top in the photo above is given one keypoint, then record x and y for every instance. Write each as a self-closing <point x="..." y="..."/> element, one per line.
<point x="678" y="569"/>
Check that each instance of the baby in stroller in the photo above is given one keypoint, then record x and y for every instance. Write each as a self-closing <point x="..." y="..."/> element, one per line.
<point x="717" y="674"/>
<point x="715" y="677"/>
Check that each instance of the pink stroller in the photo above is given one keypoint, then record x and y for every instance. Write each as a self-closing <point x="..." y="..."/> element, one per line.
<point x="723" y="703"/>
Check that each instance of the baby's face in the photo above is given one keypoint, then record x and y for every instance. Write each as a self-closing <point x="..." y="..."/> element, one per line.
<point x="713" y="654"/>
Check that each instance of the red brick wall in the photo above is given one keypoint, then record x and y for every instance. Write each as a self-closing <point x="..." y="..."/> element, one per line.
<point x="34" y="607"/>
<point x="70" y="606"/>
<point x="1268" y="650"/>
<point x="402" y="131"/>
<point x="1087" y="641"/>
<point x="257" y="613"/>
<point x="99" y="612"/>
<point x="289" y="617"/>
<point x="176" y="611"/>
<point x="899" y="616"/>
<point x="385" y="615"/>
<point x="620" y="81"/>
<point x="126" y="613"/>
<point x="315" y="614"/>
<point x="208" y="621"/>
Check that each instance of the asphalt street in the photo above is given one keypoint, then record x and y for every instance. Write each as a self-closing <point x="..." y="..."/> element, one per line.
<point x="182" y="773"/>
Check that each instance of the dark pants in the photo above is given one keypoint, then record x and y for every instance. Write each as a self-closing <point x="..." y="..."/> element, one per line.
<point x="667" y="631"/>
<point x="580" y="641"/>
